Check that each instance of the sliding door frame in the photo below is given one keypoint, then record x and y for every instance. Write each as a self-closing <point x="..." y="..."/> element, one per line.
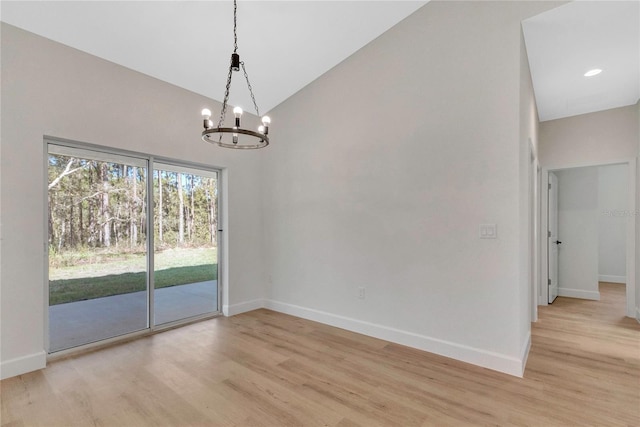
<point x="191" y="167"/>
<point x="151" y="160"/>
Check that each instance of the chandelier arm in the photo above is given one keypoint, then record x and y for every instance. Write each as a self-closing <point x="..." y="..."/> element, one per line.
<point x="223" y="112"/>
<point x="253" y="98"/>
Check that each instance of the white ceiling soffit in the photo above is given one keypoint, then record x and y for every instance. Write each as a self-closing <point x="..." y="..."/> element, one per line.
<point x="285" y="44"/>
<point x="566" y="42"/>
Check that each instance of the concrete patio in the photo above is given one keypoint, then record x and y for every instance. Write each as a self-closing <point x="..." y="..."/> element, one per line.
<point x="82" y="322"/>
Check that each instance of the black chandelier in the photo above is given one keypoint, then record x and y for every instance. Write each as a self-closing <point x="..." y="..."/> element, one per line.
<point x="235" y="136"/>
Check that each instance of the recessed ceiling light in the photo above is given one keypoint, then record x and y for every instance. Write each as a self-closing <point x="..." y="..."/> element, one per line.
<point x="593" y="72"/>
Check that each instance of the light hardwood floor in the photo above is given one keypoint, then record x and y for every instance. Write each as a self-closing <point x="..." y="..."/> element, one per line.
<point x="268" y="369"/>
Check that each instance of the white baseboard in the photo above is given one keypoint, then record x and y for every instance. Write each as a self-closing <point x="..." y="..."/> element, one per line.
<point x="612" y="279"/>
<point x="487" y="359"/>
<point x="242" y="307"/>
<point x="22" y="365"/>
<point x="579" y="293"/>
<point x="524" y="353"/>
<point x="638" y="314"/>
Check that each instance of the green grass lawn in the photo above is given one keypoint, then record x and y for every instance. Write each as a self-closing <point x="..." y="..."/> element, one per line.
<point x="70" y="290"/>
<point x="172" y="267"/>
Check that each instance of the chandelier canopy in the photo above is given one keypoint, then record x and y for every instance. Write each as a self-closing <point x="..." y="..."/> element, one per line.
<point x="235" y="136"/>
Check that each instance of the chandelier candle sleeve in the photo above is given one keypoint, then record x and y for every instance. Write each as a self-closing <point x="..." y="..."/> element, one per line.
<point x="235" y="136"/>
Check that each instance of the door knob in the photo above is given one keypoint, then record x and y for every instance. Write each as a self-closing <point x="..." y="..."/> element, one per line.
<point x="558" y="242"/>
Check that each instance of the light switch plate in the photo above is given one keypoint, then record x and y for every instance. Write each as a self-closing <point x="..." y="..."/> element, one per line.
<point x="488" y="231"/>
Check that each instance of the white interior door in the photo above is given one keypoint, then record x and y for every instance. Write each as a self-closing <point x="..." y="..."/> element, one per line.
<point x="552" y="237"/>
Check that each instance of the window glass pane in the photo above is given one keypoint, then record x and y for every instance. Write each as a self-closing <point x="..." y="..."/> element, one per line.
<point x="97" y="228"/>
<point x="186" y="248"/>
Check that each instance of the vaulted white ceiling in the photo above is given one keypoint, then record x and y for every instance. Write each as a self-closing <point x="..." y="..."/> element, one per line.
<point x="288" y="44"/>
<point x="566" y="42"/>
<point x="285" y="44"/>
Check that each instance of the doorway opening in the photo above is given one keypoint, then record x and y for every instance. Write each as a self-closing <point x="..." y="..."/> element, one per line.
<point x="589" y="227"/>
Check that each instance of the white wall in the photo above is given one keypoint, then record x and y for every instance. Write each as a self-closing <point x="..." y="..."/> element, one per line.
<point x="578" y="231"/>
<point x="51" y="89"/>
<point x="384" y="169"/>
<point x="590" y="139"/>
<point x="613" y="213"/>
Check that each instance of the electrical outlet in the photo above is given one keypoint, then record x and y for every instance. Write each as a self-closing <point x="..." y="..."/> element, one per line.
<point x="488" y="231"/>
<point x="361" y="292"/>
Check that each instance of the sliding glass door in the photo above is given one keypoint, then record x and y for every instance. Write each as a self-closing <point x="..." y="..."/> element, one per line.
<point x="186" y="249"/>
<point x="97" y="246"/>
<point x="99" y="220"/>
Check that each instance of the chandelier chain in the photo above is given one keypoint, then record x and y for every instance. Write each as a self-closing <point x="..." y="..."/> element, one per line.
<point x="223" y="112"/>
<point x="235" y="26"/>
<point x="253" y="98"/>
